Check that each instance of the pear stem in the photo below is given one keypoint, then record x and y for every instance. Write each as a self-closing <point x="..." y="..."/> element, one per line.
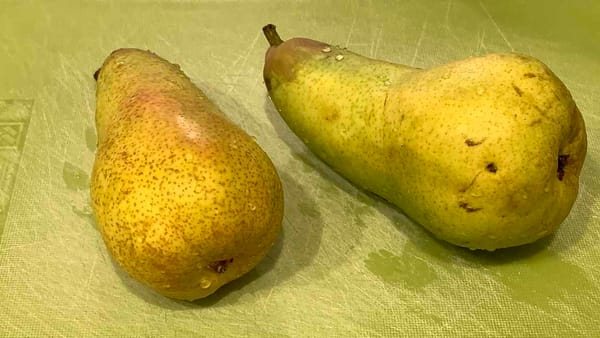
<point x="272" y="35"/>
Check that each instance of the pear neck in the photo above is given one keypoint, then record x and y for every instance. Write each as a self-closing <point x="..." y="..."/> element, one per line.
<point x="272" y="36"/>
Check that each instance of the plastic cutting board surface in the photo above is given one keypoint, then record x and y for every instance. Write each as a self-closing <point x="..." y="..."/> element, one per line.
<point x="347" y="264"/>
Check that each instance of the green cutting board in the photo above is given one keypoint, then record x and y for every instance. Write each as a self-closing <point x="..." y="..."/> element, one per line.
<point x="347" y="263"/>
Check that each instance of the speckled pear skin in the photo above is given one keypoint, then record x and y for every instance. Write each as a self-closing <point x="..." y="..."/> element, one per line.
<point x="484" y="152"/>
<point x="185" y="200"/>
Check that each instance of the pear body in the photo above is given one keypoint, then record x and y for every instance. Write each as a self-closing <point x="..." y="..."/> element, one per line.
<point x="185" y="200"/>
<point x="484" y="152"/>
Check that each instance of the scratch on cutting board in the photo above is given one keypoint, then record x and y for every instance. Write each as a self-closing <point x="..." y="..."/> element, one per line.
<point x="243" y="58"/>
<point x="447" y="19"/>
<point x="49" y="137"/>
<point x="376" y="41"/>
<point x="423" y="29"/>
<point x="351" y="29"/>
<point x="481" y="44"/>
<point x="266" y="300"/>
<point x="89" y="279"/>
<point x="66" y="74"/>
<point x="496" y="25"/>
<point x="164" y="40"/>
<point x="344" y="296"/>
<point x="453" y="35"/>
<point x="46" y="123"/>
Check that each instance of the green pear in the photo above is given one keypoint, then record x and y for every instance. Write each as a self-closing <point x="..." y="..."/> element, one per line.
<point x="185" y="200"/>
<point x="484" y="152"/>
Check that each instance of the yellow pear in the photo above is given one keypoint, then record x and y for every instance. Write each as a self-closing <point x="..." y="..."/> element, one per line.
<point x="185" y="200"/>
<point x="484" y="152"/>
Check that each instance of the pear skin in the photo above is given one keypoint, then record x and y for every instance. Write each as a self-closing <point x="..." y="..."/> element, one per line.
<point x="484" y="152"/>
<point x="185" y="200"/>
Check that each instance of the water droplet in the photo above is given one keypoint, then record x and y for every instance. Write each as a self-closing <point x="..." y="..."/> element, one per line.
<point x="75" y="178"/>
<point x="480" y="91"/>
<point x="339" y="57"/>
<point x="446" y="76"/>
<point x="167" y="286"/>
<point x="387" y="82"/>
<point x="326" y="49"/>
<point x="524" y="196"/>
<point x="401" y="270"/>
<point x="252" y="207"/>
<point x="547" y="189"/>
<point x="205" y="283"/>
<point x="91" y="138"/>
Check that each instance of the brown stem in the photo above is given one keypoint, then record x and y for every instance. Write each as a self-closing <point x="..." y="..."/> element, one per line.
<point x="271" y="35"/>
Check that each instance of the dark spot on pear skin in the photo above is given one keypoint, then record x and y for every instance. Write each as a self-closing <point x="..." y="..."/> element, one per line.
<point x="491" y="167"/>
<point x="220" y="266"/>
<point x="562" y="162"/>
<point x="517" y="90"/>
<point x="463" y="190"/>
<point x="529" y="75"/>
<point x="96" y="74"/>
<point x="465" y="205"/>
<point x="471" y="143"/>
<point x="386" y="101"/>
<point x="534" y="122"/>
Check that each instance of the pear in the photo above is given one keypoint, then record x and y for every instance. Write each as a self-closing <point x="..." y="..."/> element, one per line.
<point x="484" y="152"/>
<point x="185" y="200"/>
